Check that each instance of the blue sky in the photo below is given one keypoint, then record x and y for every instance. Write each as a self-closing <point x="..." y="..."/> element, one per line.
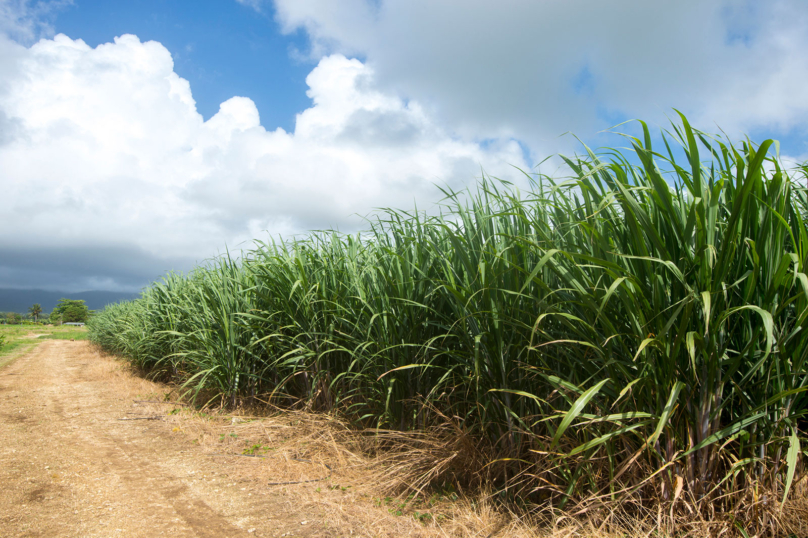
<point x="222" y="48"/>
<point x="146" y="136"/>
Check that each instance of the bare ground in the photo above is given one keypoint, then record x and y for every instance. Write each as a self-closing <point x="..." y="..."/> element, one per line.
<point x="82" y="455"/>
<point x="78" y="457"/>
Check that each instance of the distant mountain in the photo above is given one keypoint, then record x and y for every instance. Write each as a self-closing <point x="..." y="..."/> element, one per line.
<point x="21" y="300"/>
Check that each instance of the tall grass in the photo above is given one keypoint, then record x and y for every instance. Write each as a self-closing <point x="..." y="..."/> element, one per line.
<point x="635" y="331"/>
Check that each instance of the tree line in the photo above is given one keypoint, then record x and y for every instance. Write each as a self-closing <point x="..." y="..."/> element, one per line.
<point x="66" y="311"/>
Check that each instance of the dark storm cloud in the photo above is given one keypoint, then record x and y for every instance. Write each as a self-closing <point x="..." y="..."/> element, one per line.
<point x="86" y="267"/>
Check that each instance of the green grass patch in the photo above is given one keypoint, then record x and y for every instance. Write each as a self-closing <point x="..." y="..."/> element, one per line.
<point x="72" y="335"/>
<point x="17" y="339"/>
<point x="14" y="348"/>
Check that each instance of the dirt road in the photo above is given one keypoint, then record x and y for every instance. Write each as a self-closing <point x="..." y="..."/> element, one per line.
<point x="70" y="466"/>
<point x="82" y="456"/>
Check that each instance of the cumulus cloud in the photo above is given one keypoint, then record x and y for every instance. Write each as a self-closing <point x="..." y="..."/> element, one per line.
<point x="103" y="154"/>
<point x="534" y="70"/>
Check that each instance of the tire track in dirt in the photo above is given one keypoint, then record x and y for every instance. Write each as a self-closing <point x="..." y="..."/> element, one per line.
<point x="69" y="467"/>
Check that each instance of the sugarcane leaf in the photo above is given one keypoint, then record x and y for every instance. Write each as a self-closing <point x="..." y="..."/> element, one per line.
<point x="575" y="410"/>
<point x="791" y="461"/>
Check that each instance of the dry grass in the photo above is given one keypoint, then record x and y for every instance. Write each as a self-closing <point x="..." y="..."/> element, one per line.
<point x="372" y="479"/>
<point x="432" y="483"/>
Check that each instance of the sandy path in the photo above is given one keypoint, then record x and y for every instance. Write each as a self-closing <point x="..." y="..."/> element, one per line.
<point x="70" y="467"/>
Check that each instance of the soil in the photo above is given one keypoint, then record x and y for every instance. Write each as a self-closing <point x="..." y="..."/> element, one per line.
<point x="79" y="457"/>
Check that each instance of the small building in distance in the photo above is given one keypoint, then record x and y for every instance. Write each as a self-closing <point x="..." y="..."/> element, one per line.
<point x="74" y="323"/>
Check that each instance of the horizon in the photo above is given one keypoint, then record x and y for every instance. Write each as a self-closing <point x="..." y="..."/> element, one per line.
<point x="21" y="300"/>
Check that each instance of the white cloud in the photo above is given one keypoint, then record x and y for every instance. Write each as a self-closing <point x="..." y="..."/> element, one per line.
<point x="103" y="147"/>
<point x="534" y="70"/>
